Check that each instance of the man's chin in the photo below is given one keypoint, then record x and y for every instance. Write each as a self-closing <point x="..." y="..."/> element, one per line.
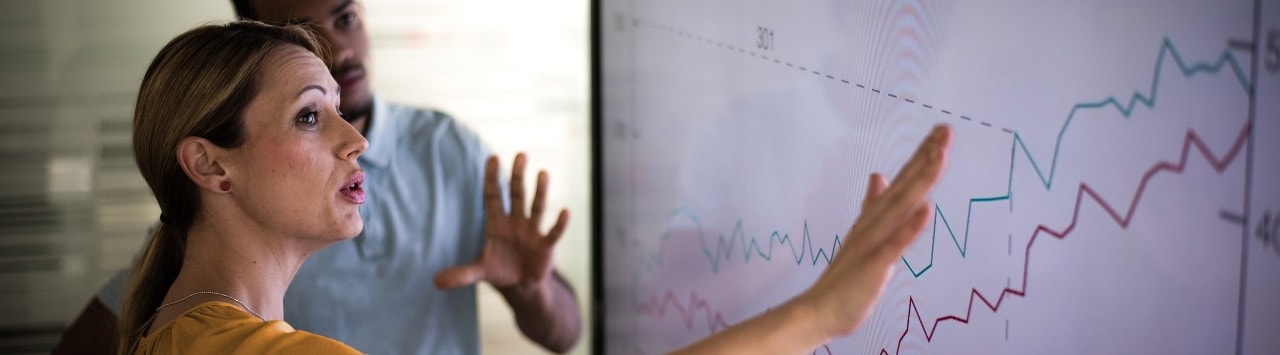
<point x="357" y="108"/>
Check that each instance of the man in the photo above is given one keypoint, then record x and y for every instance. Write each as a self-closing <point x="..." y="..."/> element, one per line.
<point x="424" y="216"/>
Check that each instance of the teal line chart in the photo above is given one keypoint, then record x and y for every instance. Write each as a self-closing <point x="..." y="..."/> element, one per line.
<point x="725" y="247"/>
<point x="1167" y="50"/>
<point x="1192" y="140"/>
<point x="688" y="312"/>
<point x="1226" y="59"/>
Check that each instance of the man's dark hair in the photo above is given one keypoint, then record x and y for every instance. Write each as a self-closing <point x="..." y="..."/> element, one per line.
<point x="244" y="9"/>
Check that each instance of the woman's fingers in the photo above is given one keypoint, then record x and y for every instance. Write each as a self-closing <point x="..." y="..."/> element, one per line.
<point x="925" y="167"/>
<point x="913" y="183"/>
<point x="908" y="229"/>
<point x="875" y="187"/>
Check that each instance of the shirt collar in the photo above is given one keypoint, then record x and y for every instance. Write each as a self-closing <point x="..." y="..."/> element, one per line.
<point x="380" y="134"/>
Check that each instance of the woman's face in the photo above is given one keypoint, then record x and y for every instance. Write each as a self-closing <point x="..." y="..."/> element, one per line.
<point x="296" y="173"/>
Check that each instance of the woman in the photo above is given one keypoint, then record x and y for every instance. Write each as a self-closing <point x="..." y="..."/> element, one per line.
<point x="237" y="133"/>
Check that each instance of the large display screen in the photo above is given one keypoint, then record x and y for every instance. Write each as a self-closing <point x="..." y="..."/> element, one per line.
<point x="1113" y="186"/>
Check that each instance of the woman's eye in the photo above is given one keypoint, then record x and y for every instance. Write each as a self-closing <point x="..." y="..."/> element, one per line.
<point x="346" y="19"/>
<point x="309" y="118"/>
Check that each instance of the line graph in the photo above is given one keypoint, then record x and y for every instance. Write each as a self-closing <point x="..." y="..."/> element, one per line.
<point x="1130" y="128"/>
<point x="750" y="246"/>
<point x="660" y="306"/>
<point x="1167" y="50"/>
<point x="724" y="249"/>
<point x="1192" y="140"/>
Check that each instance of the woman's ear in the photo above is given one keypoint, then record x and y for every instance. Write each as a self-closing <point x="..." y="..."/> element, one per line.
<point x="203" y="162"/>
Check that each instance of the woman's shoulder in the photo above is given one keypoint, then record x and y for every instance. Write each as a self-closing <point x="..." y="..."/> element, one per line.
<point x="222" y="328"/>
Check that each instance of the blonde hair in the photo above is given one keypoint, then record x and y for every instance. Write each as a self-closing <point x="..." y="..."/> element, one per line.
<point x="198" y="85"/>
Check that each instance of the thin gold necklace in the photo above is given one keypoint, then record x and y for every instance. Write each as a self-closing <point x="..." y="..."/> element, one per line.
<point x="212" y="293"/>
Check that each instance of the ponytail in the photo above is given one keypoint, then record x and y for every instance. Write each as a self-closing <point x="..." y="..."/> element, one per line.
<point x="150" y="280"/>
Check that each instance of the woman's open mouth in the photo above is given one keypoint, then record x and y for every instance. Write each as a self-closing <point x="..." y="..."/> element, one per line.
<point x="354" y="191"/>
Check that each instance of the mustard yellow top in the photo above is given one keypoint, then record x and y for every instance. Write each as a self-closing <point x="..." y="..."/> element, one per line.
<point x="222" y="328"/>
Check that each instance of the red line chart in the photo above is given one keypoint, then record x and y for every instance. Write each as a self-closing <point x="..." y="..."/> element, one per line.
<point x="1192" y="140"/>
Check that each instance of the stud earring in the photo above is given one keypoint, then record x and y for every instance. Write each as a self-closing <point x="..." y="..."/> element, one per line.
<point x="225" y="186"/>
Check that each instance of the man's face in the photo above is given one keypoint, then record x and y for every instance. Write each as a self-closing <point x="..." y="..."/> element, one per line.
<point x="341" y="24"/>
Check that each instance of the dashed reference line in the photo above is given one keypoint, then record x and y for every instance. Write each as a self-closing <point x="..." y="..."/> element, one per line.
<point x="776" y="60"/>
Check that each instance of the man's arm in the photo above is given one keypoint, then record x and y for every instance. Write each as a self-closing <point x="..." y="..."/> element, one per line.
<point x="547" y="314"/>
<point x="93" y="332"/>
<point x="517" y="260"/>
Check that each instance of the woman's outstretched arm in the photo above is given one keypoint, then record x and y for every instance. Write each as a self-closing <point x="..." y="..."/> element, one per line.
<point x="842" y="297"/>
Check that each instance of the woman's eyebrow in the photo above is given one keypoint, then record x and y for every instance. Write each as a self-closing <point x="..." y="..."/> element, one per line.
<point x="311" y="87"/>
